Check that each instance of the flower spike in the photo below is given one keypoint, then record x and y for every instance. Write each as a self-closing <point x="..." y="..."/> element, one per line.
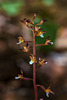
<point x="37" y="31"/>
<point x="33" y="60"/>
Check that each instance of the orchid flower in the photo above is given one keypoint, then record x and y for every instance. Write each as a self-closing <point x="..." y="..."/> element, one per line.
<point x="48" y="91"/>
<point x="40" y="33"/>
<point x="25" y="49"/>
<point x="20" y="76"/>
<point x="33" y="60"/>
<point x="42" y="61"/>
<point x="21" y="40"/>
<point x="48" y="41"/>
<point x="37" y="28"/>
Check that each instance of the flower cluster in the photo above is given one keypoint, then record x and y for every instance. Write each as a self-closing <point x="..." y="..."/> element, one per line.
<point x="37" y="31"/>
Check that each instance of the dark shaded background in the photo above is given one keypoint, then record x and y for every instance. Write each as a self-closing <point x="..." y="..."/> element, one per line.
<point x="12" y="59"/>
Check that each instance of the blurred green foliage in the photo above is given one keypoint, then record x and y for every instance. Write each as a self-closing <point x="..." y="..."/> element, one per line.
<point x="12" y="8"/>
<point x="48" y="2"/>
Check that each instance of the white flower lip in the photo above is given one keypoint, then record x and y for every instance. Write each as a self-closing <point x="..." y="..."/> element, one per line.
<point x="47" y="94"/>
<point x="46" y="62"/>
<point x="31" y="62"/>
<point x="51" y="42"/>
<point x="19" y="42"/>
<point x="17" y="77"/>
<point x="42" y="35"/>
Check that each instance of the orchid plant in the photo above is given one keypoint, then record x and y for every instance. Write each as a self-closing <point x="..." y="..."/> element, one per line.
<point x="37" y="31"/>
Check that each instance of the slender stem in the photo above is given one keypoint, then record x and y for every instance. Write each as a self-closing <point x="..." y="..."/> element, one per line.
<point x="40" y="44"/>
<point x="41" y="86"/>
<point x="26" y="78"/>
<point x="34" y="66"/>
<point x="28" y="52"/>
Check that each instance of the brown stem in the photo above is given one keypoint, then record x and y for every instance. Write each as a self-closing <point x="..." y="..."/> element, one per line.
<point x="28" y="52"/>
<point x="25" y="78"/>
<point x="41" y="86"/>
<point x="40" y="44"/>
<point x="34" y="66"/>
